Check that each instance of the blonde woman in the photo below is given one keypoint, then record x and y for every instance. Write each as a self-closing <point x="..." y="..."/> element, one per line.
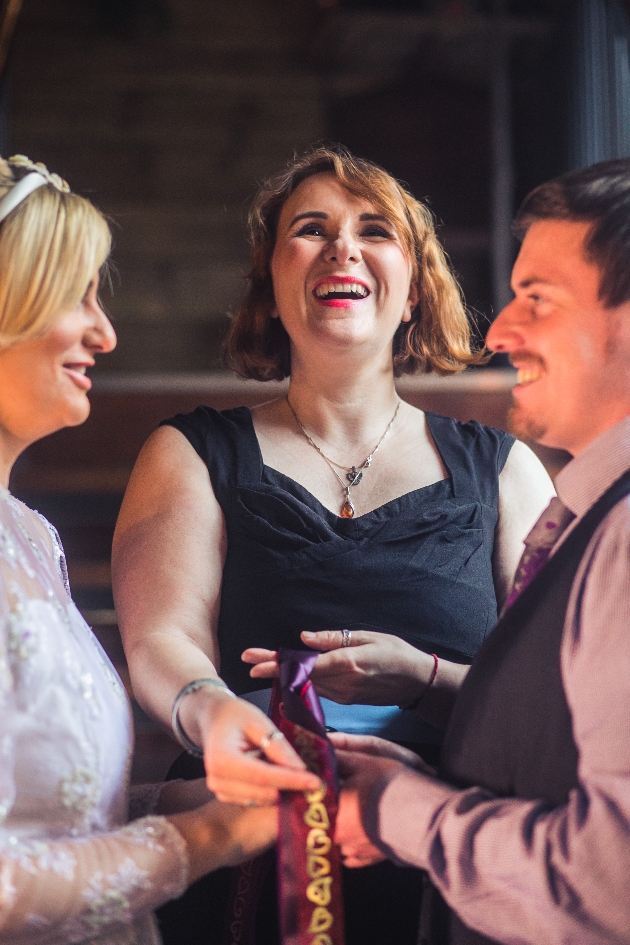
<point x="338" y="517"/>
<point x="71" y="868"/>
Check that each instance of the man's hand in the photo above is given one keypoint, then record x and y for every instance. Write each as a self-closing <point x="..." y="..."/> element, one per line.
<point x="365" y="760"/>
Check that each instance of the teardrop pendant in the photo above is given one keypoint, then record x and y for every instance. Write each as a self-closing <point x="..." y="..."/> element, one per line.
<point x="347" y="509"/>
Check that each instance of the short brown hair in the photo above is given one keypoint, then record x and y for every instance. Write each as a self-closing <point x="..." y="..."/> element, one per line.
<point x="600" y="195"/>
<point x="438" y="336"/>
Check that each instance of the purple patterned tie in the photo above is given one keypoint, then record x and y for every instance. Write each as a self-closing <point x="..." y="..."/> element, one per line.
<point x="538" y="545"/>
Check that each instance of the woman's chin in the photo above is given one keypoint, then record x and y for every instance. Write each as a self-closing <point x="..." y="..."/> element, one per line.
<point x="343" y="334"/>
<point x="76" y="412"/>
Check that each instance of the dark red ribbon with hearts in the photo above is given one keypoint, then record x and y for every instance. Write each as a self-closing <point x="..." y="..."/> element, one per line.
<point x="308" y="861"/>
<point x="309" y="865"/>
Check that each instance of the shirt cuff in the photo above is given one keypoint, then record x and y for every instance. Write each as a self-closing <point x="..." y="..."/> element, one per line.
<point x="403" y="808"/>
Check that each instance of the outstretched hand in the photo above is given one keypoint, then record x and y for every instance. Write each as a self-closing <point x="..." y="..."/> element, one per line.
<point x="374" y="669"/>
<point x="364" y="761"/>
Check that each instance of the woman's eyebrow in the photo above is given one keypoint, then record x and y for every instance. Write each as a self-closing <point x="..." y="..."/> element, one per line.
<point x="320" y="215"/>
<point x="317" y="214"/>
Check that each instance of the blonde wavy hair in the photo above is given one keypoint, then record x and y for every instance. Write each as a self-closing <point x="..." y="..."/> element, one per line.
<point x="437" y="338"/>
<point x="51" y="245"/>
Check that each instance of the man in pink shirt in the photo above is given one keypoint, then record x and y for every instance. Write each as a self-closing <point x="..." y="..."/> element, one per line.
<point x="525" y="832"/>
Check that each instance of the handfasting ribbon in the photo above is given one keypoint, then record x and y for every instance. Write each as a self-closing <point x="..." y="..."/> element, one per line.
<point x="309" y="865"/>
<point x="308" y="862"/>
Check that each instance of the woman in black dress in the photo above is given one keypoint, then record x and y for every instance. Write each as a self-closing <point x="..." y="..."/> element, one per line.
<point x="338" y="510"/>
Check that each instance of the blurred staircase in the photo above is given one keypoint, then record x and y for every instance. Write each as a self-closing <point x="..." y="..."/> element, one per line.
<point x="168" y="130"/>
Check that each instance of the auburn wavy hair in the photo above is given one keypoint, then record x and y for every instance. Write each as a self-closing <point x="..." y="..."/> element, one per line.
<point x="437" y="338"/>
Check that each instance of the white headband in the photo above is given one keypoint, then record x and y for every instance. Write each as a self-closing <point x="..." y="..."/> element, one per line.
<point x="20" y="192"/>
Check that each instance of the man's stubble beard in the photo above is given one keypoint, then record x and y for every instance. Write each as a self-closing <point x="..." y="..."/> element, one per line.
<point x="525" y="427"/>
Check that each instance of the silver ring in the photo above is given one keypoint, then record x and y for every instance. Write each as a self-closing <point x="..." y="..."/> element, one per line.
<point x="346" y="637"/>
<point x="266" y="741"/>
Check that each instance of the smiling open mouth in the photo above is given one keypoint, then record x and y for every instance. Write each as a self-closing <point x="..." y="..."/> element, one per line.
<point x="328" y="291"/>
<point x="528" y="375"/>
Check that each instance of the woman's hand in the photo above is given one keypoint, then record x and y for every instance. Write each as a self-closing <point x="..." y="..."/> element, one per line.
<point x="374" y="669"/>
<point x="219" y="835"/>
<point x="247" y="759"/>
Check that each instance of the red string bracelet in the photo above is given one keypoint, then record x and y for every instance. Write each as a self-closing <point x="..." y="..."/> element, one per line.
<point x="416" y="702"/>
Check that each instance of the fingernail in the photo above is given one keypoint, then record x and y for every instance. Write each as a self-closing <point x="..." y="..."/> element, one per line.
<point x="307" y="635"/>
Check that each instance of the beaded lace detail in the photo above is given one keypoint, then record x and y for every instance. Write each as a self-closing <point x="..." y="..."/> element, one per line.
<point x="70" y="869"/>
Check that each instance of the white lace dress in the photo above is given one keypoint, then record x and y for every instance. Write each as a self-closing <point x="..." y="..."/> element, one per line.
<point x="71" y="869"/>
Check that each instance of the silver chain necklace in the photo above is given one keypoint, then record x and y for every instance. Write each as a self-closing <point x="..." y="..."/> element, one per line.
<point x="354" y="474"/>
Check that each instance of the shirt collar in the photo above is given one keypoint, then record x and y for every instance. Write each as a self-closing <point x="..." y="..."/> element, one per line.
<point x="582" y="481"/>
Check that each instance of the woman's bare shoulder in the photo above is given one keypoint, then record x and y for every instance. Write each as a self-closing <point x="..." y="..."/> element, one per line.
<point x="523" y="470"/>
<point x="166" y="451"/>
<point x="525" y="488"/>
<point x="168" y="477"/>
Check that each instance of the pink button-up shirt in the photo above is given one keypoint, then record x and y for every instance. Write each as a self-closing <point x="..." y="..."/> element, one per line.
<point x="516" y="870"/>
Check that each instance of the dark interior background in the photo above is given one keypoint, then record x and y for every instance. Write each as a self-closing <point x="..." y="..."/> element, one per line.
<point x="168" y="112"/>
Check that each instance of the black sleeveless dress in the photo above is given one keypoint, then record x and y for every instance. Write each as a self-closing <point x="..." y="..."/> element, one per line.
<point x="419" y="567"/>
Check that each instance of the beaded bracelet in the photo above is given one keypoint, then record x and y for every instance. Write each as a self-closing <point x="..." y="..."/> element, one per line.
<point x="416" y="702"/>
<point x="178" y="731"/>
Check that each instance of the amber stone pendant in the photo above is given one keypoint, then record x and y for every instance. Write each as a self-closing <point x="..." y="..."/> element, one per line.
<point x="347" y="509"/>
